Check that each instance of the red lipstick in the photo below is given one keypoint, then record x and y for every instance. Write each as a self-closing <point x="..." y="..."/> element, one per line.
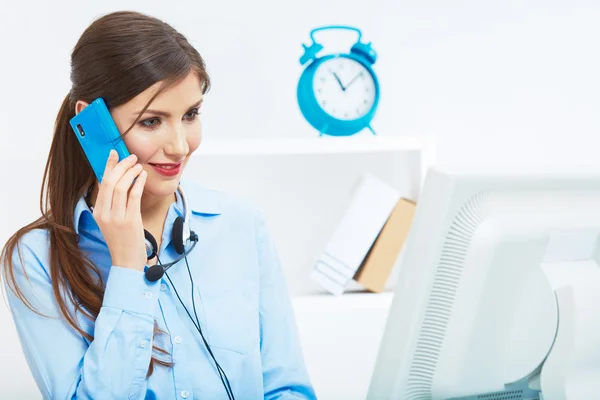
<point x="167" y="169"/>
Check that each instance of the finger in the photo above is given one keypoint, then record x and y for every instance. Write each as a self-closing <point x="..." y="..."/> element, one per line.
<point x="121" y="168"/>
<point x="102" y="203"/>
<point x="119" y="201"/>
<point x="135" y="195"/>
<point x="110" y="180"/>
<point x="110" y="162"/>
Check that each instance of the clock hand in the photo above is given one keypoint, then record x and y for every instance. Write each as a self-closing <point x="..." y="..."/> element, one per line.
<point x="339" y="81"/>
<point x="352" y="81"/>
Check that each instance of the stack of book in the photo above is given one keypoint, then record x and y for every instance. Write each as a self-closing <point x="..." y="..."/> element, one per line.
<point x="368" y="239"/>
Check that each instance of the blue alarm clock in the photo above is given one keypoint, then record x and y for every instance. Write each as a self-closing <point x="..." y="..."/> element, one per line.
<point x="338" y="93"/>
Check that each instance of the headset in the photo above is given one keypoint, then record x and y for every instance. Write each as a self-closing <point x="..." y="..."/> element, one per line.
<point x="181" y="236"/>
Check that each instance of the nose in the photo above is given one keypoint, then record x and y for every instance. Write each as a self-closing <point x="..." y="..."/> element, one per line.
<point x="177" y="145"/>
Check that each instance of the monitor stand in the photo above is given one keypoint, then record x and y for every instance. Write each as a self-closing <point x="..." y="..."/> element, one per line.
<point x="519" y="390"/>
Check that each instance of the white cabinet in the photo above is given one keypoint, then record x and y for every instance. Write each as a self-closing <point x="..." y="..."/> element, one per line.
<point x="340" y="339"/>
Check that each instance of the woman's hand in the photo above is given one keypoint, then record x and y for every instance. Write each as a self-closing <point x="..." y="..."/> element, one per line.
<point x="117" y="211"/>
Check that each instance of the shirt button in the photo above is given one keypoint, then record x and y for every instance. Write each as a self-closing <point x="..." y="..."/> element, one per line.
<point x="184" y="394"/>
<point x="143" y="343"/>
<point x="178" y="339"/>
<point x="148" y="295"/>
<point x="163" y="287"/>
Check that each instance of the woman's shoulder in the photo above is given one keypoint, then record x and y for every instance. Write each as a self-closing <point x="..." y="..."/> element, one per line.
<point x="32" y="252"/>
<point x="36" y="239"/>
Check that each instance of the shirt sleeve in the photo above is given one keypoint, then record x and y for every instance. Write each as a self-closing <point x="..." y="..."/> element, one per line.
<point x="65" y="365"/>
<point x="284" y="371"/>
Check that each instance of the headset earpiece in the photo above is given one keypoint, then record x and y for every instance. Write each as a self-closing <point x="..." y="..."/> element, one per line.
<point x="151" y="246"/>
<point x="177" y="235"/>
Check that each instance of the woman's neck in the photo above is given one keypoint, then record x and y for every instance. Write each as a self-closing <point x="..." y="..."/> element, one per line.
<point x="154" y="209"/>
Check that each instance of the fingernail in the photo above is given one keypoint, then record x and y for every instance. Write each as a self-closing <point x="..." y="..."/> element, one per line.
<point x="112" y="153"/>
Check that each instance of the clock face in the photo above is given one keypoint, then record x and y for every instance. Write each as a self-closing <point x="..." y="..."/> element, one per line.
<point x="344" y="88"/>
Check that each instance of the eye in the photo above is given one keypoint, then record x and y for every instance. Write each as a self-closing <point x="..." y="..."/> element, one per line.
<point x="151" y="123"/>
<point x="191" y="115"/>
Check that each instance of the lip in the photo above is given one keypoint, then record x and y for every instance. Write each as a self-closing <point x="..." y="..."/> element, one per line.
<point x="167" y="169"/>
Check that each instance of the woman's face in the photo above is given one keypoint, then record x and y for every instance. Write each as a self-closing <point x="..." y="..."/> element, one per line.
<point x="166" y="134"/>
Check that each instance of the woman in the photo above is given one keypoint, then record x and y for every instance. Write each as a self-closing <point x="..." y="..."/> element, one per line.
<point x="91" y="323"/>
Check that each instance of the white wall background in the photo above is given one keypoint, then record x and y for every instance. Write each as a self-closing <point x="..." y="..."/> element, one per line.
<point x="493" y="81"/>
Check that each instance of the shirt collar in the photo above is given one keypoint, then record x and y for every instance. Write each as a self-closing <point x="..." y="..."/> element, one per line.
<point x="82" y="214"/>
<point x="201" y="201"/>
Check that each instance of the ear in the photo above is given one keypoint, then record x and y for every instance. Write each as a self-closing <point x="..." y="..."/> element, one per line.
<point x="80" y="105"/>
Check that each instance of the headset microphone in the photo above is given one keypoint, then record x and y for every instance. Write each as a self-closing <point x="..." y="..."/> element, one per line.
<point x="157" y="271"/>
<point x="154" y="273"/>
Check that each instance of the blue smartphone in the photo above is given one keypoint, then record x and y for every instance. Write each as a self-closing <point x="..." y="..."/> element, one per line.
<point x="98" y="135"/>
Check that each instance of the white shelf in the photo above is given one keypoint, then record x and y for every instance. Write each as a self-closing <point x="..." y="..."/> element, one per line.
<point x="310" y="145"/>
<point x="326" y="302"/>
<point x="303" y="183"/>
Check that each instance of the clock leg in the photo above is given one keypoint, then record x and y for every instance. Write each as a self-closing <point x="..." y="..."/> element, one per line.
<point x="371" y="129"/>
<point x="322" y="131"/>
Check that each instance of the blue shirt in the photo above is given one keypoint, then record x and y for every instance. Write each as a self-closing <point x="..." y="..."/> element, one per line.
<point x="241" y="299"/>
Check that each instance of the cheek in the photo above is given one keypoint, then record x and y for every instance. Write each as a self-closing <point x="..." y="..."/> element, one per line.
<point x="194" y="137"/>
<point x="140" y="145"/>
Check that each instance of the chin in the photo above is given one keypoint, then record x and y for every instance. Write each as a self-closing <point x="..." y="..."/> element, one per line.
<point x="163" y="187"/>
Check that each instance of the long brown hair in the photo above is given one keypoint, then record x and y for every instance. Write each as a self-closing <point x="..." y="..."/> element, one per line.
<point x="117" y="57"/>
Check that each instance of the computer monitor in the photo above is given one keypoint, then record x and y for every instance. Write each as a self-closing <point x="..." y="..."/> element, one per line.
<point x="498" y="293"/>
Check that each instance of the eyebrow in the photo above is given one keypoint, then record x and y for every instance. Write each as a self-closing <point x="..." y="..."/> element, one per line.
<point x="164" y="113"/>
